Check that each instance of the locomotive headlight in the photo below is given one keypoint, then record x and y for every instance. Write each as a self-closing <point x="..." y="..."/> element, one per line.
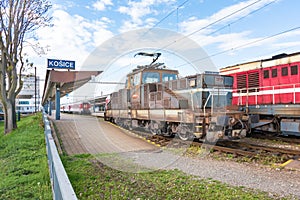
<point x="135" y="96"/>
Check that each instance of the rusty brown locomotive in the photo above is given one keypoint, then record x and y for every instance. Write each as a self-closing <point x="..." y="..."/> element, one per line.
<point x="197" y="106"/>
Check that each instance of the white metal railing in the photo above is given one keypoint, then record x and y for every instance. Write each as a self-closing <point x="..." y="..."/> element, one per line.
<point x="267" y="90"/>
<point x="61" y="185"/>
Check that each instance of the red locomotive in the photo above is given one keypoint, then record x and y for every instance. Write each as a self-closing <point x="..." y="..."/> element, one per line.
<point x="269" y="91"/>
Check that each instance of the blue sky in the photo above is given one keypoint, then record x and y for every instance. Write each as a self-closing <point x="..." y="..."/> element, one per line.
<point x="232" y="31"/>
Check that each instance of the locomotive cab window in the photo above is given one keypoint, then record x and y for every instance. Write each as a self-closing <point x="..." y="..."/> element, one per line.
<point x="266" y="74"/>
<point x="284" y="71"/>
<point x="294" y="70"/>
<point x="150" y="77"/>
<point x="168" y="77"/>
<point x="135" y="79"/>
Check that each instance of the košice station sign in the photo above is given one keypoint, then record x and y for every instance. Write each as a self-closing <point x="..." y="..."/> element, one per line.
<point x="61" y="64"/>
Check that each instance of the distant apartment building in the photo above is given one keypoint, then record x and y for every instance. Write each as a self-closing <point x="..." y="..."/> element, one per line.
<point x="28" y="100"/>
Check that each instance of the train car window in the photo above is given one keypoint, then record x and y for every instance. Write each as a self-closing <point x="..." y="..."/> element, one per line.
<point x="274" y="73"/>
<point x="284" y="71"/>
<point x="150" y="77"/>
<point x="294" y="70"/>
<point x="266" y="74"/>
<point x="168" y="77"/>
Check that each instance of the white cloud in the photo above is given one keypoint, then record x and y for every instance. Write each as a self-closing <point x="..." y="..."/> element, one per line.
<point x="102" y="4"/>
<point x="138" y="10"/>
<point x="72" y="37"/>
<point x="223" y="16"/>
<point x="202" y="29"/>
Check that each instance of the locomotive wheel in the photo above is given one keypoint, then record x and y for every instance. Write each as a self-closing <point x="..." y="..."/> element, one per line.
<point x="158" y="132"/>
<point x="153" y="131"/>
<point x="129" y="125"/>
<point x="154" y="128"/>
<point x="183" y="134"/>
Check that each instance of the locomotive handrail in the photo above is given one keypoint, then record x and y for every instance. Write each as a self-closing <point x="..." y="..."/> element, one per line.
<point x="263" y="90"/>
<point x="211" y="95"/>
<point x="204" y="107"/>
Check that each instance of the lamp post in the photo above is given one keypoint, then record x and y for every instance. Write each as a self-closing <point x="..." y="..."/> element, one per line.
<point x="34" y="89"/>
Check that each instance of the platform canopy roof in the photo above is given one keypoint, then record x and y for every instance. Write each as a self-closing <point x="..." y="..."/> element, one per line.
<point x="67" y="80"/>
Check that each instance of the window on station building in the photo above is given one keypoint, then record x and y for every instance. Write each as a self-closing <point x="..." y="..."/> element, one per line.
<point x="274" y="73"/>
<point x="294" y="70"/>
<point x="24" y="102"/>
<point x="266" y="74"/>
<point x="284" y="71"/>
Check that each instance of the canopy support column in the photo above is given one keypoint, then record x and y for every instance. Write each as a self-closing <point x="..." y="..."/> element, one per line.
<point x="57" y="102"/>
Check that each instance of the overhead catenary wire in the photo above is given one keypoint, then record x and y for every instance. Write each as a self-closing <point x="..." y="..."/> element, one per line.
<point x="243" y="17"/>
<point x="212" y="23"/>
<point x="165" y="17"/>
<point x="242" y="45"/>
<point x="215" y="22"/>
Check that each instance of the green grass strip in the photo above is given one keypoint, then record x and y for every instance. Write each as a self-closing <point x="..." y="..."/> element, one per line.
<point x="24" y="169"/>
<point x="93" y="180"/>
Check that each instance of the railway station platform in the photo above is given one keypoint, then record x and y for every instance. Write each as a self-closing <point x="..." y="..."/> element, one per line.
<point x="81" y="134"/>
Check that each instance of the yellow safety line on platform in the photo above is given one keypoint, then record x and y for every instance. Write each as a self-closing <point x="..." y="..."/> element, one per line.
<point x="286" y="163"/>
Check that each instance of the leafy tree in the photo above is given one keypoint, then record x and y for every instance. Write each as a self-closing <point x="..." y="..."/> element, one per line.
<point x="18" y="21"/>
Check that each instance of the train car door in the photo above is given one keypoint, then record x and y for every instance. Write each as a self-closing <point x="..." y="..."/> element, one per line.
<point x="135" y="84"/>
<point x="294" y="82"/>
<point x="285" y="96"/>
<point x="275" y="82"/>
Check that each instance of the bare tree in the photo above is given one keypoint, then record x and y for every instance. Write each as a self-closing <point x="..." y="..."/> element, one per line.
<point x="18" y="20"/>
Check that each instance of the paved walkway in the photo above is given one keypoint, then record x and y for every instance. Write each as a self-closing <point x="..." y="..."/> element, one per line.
<point x="87" y="134"/>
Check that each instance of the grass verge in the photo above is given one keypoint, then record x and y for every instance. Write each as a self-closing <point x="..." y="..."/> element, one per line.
<point x="93" y="180"/>
<point x="24" y="169"/>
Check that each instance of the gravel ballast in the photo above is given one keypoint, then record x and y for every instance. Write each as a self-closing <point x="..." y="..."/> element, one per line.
<point x="275" y="181"/>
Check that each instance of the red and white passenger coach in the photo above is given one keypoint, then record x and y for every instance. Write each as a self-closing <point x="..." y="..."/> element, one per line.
<point x="269" y="89"/>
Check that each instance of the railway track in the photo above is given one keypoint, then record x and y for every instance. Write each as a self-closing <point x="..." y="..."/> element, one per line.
<point x="232" y="147"/>
<point x="271" y="136"/>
